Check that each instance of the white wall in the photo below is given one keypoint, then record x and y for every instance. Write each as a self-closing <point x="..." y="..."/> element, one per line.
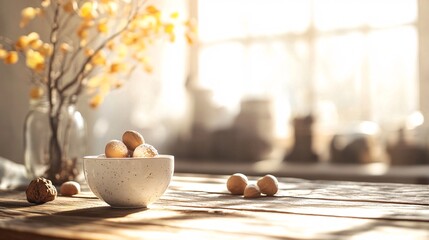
<point x="13" y="88"/>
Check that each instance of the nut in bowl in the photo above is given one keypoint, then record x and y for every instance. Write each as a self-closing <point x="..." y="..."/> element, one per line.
<point x="129" y="182"/>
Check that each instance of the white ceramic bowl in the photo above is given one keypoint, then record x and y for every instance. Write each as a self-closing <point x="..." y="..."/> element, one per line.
<point x="128" y="182"/>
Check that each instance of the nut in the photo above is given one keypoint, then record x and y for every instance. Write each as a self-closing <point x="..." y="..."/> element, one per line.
<point x="237" y="183"/>
<point x="41" y="190"/>
<point x="132" y="139"/>
<point x="116" y="149"/>
<point x="70" y="188"/>
<point x="145" y="150"/>
<point x="268" y="185"/>
<point x="252" y="191"/>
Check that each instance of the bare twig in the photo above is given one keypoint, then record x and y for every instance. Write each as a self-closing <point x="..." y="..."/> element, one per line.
<point x="79" y="88"/>
<point x="53" y="39"/>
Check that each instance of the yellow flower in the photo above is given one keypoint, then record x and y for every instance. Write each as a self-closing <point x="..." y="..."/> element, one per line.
<point x="117" y="67"/>
<point x="102" y="26"/>
<point x="190" y="38"/>
<point x="129" y="38"/>
<point x="34" y="40"/>
<point x="88" y="67"/>
<point x="36" y="44"/>
<point x="88" y="10"/>
<point x="82" y="33"/>
<point x="28" y="14"/>
<point x="96" y="101"/>
<point x="152" y="9"/>
<point x="46" y="3"/>
<point x="31" y="39"/>
<point x="40" y="67"/>
<point x="89" y="52"/>
<point x="112" y="8"/>
<point x="83" y="42"/>
<point x="36" y="92"/>
<point x="141" y="46"/>
<point x="110" y="45"/>
<point x="65" y="47"/>
<point x="87" y="24"/>
<point x="169" y="28"/>
<point x="82" y="30"/>
<point x="94" y="82"/>
<point x="144" y="62"/>
<point x="105" y="85"/>
<point x="33" y="36"/>
<point x="70" y="6"/>
<point x="99" y="58"/>
<point x="3" y="53"/>
<point x="11" y="57"/>
<point x="174" y="15"/>
<point x="148" y="68"/>
<point x="144" y="22"/>
<point x="34" y="60"/>
<point x="22" y="42"/>
<point x="46" y="49"/>
<point x="191" y="25"/>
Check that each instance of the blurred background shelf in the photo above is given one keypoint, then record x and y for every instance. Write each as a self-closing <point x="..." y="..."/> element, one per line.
<point x="373" y="172"/>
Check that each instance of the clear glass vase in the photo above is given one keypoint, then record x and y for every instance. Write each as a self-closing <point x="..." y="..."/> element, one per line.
<point x="54" y="142"/>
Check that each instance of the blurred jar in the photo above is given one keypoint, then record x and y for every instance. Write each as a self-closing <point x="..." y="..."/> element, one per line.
<point x="254" y="127"/>
<point x="408" y="143"/>
<point x="357" y="143"/>
<point x="406" y="149"/>
<point x="71" y="135"/>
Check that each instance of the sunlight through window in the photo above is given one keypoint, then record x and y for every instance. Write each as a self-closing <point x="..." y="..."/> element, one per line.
<point x="358" y="57"/>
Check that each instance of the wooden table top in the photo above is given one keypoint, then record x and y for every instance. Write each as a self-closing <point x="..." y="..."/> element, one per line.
<point x="199" y="207"/>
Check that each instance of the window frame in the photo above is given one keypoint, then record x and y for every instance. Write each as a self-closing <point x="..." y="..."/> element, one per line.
<point x="422" y="27"/>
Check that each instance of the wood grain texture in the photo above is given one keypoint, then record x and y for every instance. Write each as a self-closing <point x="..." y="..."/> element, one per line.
<point x="199" y="207"/>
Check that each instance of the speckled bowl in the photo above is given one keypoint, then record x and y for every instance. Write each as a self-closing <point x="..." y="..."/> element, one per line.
<point x="128" y="182"/>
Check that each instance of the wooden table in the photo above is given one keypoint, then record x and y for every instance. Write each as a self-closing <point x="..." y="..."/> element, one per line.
<point x="199" y="207"/>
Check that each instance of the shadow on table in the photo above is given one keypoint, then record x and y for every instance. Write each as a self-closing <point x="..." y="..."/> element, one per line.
<point x="101" y="221"/>
<point x="75" y="217"/>
<point x="15" y="204"/>
<point x="101" y="212"/>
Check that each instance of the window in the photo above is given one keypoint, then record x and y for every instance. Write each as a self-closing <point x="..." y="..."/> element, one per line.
<point x="349" y="60"/>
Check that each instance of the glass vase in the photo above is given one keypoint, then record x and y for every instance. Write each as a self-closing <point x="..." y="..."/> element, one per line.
<point x="54" y="141"/>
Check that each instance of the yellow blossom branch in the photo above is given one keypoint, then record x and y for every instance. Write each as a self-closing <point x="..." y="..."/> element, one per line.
<point x="9" y="43"/>
<point x="64" y="63"/>
<point x="80" y="75"/>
